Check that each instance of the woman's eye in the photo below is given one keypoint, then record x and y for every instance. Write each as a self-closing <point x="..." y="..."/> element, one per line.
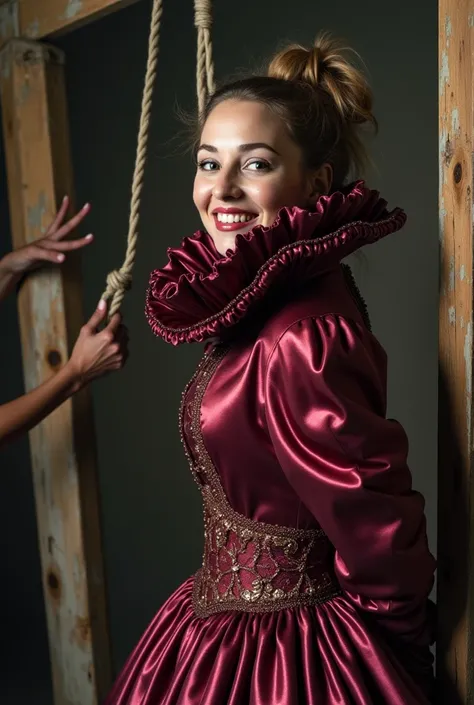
<point x="258" y="165"/>
<point x="208" y="165"/>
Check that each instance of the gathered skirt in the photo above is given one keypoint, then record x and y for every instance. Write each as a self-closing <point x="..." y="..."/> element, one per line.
<point x="319" y="655"/>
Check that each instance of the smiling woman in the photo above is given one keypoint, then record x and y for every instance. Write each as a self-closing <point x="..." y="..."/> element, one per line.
<point x="271" y="142"/>
<point x="248" y="168"/>
<point x="316" y="571"/>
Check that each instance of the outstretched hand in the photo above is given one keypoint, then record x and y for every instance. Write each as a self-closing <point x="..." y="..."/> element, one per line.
<point x="51" y="248"/>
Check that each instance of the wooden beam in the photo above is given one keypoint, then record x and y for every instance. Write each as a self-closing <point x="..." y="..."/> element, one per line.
<point x="9" y="23"/>
<point x="37" y="19"/>
<point x="456" y="478"/>
<point x="63" y="446"/>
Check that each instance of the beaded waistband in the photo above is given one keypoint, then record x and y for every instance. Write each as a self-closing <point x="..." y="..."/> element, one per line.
<point x="253" y="567"/>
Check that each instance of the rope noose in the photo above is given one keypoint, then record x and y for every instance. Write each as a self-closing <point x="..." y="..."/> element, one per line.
<point x="120" y="280"/>
<point x="204" y="65"/>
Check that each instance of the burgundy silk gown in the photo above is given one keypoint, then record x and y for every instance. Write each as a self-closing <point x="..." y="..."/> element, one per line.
<point x="316" y="571"/>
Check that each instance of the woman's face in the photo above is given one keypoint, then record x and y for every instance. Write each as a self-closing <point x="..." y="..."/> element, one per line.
<point x="248" y="168"/>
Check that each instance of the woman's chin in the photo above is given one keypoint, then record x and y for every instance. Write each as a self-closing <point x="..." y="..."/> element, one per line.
<point x="226" y="241"/>
<point x="223" y="245"/>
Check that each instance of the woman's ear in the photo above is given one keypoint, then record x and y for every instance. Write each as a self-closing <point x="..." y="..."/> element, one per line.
<point x="320" y="182"/>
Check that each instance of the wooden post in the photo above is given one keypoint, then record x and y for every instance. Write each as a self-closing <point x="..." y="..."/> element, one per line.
<point x="455" y="492"/>
<point x="63" y="446"/>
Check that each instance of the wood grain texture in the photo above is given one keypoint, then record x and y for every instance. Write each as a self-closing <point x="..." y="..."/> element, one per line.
<point x="63" y="446"/>
<point x="455" y="533"/>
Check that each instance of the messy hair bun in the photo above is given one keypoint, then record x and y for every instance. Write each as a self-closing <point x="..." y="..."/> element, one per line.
<point x="326" y="66"/>
<point x="323" y="98"/>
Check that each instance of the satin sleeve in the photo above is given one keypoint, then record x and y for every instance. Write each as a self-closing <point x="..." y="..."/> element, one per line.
<point x="325" y="408"/>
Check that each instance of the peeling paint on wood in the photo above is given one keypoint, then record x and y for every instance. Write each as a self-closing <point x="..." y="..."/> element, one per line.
<point x="452" y="277"/>
<point x="444" y="72"/>
<point x="73" y="8"/>
<point x="33" y="29"/>
<point x="9" y="24"/>
<point x="452" y="315"/>
<point x="448" y="30"/>
<point x="24" y="94"/>
<point x="444" y="154"/>
<point x="442" y="216"/>
<point x="455" y="127"/>
<point x="35" y="217"/>
<point x="442" y="158"/>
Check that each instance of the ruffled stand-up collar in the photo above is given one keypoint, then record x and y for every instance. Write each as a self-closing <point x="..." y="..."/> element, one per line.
<point x="201" y="294"/>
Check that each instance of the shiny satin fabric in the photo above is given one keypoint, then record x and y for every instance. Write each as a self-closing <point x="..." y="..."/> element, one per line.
<point x="294" y="422"/>
<point x="201" y="293"/>
<point x="292" y="433"/>
<point x="306" y="656"/>
<point x="326" y="419"/>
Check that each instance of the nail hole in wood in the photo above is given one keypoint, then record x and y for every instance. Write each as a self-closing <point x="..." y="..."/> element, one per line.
<point x="458" y="172"/>
<point x="54" y="358"/>
<point x="53" y="584"/>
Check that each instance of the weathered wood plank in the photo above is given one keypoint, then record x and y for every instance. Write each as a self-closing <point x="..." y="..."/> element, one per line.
<point x="63" y="446"/>
<point x="456" y="480"/>
<point x="9" y="22"/>
<point x="52" y="17"/>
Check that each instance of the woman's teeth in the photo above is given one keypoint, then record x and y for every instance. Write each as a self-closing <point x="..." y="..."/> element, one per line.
<point x="234" y="217"/>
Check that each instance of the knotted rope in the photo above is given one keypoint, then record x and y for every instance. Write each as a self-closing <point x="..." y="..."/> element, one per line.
<point x="204" y="64"/>
<point x="120" y="280"/>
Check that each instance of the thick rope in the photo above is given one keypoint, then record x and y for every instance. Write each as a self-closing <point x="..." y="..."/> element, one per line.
<point x="120" y="280"/>
<point x="204" y="65"/>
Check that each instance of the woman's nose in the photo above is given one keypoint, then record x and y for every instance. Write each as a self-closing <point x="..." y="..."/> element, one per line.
<point x="226" y="186"/>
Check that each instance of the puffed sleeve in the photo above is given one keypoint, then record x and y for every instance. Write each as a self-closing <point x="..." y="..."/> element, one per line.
<point x="325" y="406"/>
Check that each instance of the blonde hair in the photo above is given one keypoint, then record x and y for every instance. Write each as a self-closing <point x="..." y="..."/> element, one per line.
<point x="323" y="98"/>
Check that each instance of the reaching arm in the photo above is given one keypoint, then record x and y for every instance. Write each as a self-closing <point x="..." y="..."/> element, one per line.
<point x="95" y="354"/>
<point x="49" y="249"/>
<point x="22" y="414"/>
<point x="8" y="279"/>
